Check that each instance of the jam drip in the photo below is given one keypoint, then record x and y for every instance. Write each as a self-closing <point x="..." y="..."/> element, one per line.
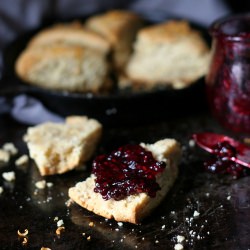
<point x="221" y="163"/>
<point x="129" y="170"/>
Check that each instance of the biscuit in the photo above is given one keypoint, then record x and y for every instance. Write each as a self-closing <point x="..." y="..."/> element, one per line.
<point x="169" y="54"/>
<point x="134" y="207"/>
<point x="119" y="28"/>
<point x="59" y="147"/>
<point x="64" y="67"/>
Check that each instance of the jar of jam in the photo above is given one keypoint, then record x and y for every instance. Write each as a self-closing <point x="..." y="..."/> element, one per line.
<point x="228" y="79"/>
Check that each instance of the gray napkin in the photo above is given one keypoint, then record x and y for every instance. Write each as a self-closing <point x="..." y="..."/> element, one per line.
<point x="27" y="110"/>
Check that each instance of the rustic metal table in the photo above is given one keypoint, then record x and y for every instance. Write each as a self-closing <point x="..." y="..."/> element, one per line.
<point x="223" y="203"/>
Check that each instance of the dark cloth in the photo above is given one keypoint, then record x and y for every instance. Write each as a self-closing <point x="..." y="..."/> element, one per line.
<point x="17" y="16"/>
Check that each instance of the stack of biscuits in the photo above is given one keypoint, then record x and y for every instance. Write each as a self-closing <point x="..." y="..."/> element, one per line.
<point x="81" y="57"/>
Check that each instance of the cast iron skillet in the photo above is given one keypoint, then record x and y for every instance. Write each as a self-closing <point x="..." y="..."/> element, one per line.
<point x="117" y="108"/>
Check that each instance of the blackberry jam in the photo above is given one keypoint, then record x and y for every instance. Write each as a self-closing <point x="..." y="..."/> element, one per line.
<point x="224" y="149"/>
<point x="221" y="163"/>
<point x="228" y="80"/>
<point x="129" y="170"/>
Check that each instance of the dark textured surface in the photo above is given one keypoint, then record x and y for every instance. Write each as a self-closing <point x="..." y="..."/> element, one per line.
<point x="223" y="203"/>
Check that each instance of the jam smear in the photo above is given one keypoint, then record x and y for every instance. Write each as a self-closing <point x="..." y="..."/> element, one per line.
<point x="129" y="170"/>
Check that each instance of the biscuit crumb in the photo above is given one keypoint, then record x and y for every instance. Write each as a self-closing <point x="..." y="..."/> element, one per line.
<point x="4" y="156"/>
<point x="56" y="218"/>
<point x="10" y="148"/>
<point x="196" y="214"/>
<point x="60" y="223"/>
<point x="120" y="224"/>
<point x="25" y="233"/>
<point x="45" y="248"/>
<point x="89" y="238"/>
<point x="41" y="184"/>
<point x="180" y="238"/>
<point x="50" y="184"/>
<point x="191" y="143"/>
<point x="1" y="190"/>
<point x="9" y="176"/>
<point x="59" y="229"/>
<point x="178" y="246"/>
<point x="91" y="224"/>
<point x="25" y="241"/>
<point x="22" y="160"/>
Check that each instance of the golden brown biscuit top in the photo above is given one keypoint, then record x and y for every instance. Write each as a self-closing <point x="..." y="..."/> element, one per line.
<point x="169" y="30"/>
<point x="113" y="23"/>
<point x="73" y="33"/>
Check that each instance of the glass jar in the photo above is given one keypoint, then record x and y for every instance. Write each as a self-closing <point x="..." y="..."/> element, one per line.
<point x="228" y="79"/>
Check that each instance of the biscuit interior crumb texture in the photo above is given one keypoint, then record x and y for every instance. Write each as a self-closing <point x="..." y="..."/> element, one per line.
<point x="59" y="147"/>
<point x="170" y="53"/>
<point x="134" y="207"/>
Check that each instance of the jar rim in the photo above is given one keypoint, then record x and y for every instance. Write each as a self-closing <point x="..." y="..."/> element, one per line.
<point x="232" y="27"/>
